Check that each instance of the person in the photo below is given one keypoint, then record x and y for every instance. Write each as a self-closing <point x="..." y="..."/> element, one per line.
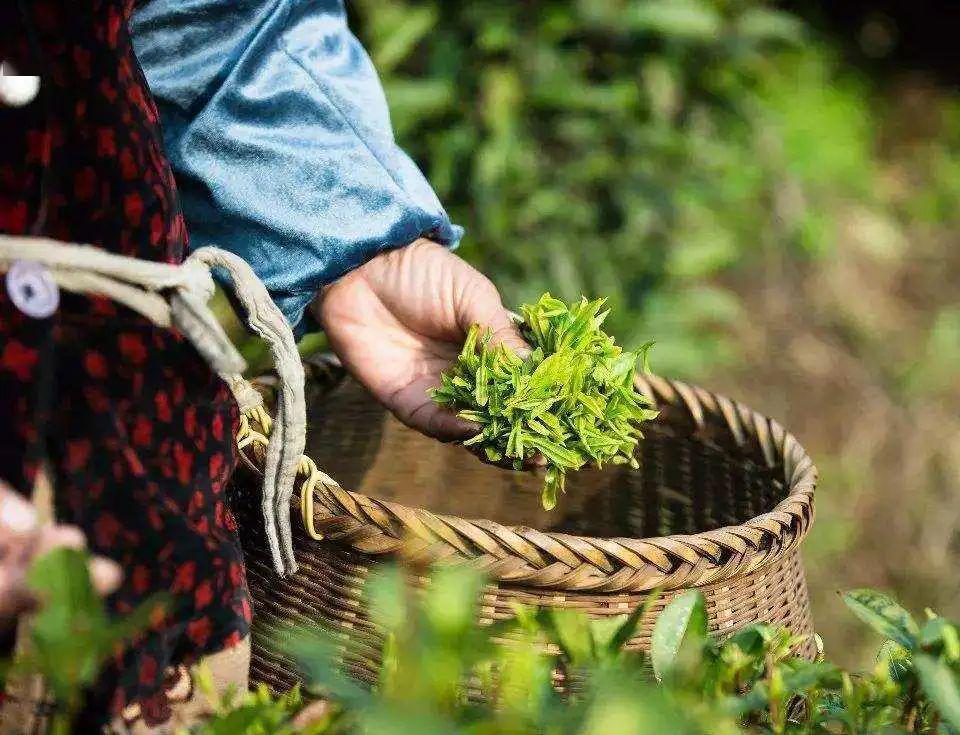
<point x="271" y="117"/>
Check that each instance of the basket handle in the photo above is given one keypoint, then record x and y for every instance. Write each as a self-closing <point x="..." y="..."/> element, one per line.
<point x="258" y="442"/>
<point x="177" y="296"/>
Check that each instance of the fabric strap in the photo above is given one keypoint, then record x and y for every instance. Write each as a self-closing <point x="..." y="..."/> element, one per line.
<point x="178" y="296"/>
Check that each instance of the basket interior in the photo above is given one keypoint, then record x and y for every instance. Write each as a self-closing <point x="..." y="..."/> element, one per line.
<point x="690" y="480"/>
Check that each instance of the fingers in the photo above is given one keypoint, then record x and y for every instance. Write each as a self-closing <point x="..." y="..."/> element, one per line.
<point x="534" y="462"/>
<point x="314" y="713"/>
<point x="18" y="536"/>
<point x="16" y="90"/>
<point x="53" y="537"/>
<point x="446" y="426"/>
<point x="537" y="461"/>
<point x="105" y="574"/>
<point x="22" y="539"/>
<point x="15" y="597"/>
<point x="17" y="515"/>
<point x="414" y="407"/>
<point x="505" y="331"/>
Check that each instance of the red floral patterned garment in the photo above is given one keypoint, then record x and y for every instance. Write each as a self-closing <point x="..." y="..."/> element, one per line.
<point x="137" y="429"/>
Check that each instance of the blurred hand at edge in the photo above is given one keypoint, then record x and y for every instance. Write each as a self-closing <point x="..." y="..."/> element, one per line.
<point x="22" y="539"/>
<point x="399" y="320"/>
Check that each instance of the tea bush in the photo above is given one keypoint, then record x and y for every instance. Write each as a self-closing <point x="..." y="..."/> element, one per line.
<point x="749" y="682"/>
<point x="636" y="149"/>
<point x="435" y="661"/>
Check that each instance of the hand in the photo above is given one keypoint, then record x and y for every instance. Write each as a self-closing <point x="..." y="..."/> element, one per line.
<point x="22" y="538"/>
<point x="398" y="321"/>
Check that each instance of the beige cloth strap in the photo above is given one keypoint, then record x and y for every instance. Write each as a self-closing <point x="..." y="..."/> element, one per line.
<point x="177" y="296"/>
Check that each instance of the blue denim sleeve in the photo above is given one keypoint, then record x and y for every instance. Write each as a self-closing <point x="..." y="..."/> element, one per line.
<point x="279" y="134"/>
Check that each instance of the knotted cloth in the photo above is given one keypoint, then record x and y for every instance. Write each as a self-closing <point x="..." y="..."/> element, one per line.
<point x="177" y="296"/>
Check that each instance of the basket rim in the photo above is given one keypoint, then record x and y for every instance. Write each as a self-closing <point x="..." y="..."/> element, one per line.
<point x="563" y="562"/>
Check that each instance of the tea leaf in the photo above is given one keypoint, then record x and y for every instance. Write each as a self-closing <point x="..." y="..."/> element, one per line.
<point x="572" y="400"/>
<point x="629" y="625"/>
<point x="71" y="635"/>
<point x="685" y="616"/>
<point x="941" y="685"/>
<point x="884" y="615"/>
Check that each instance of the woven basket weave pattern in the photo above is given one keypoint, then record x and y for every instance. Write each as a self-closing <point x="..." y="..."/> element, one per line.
<point x="708" y="464"/>
<point x="334" y="579"/>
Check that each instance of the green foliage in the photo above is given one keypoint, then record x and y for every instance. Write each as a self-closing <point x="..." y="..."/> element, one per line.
<point x="941" y="685"/>
<point x="71" y="635"/>
<point x="634" y="148"/>
<point x="544" y="671"/>
<point x="884" y="615"/>
<point x="684" y="620"/>
<point x="572" y="400"/>
<point x="253" y="713"/>
<point x="437" y="660"/>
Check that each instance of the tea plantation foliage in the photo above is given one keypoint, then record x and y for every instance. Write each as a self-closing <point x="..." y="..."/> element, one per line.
<point x="436" y="659"/>
<point x="627" y="149"/>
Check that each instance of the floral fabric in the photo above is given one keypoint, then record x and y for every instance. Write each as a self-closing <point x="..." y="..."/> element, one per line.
<point x="137" y="429"/>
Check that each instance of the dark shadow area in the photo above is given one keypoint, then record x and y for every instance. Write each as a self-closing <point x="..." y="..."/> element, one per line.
<point x="888" y="37"/>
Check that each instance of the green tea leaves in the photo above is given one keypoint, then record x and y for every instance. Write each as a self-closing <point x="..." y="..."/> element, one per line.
<point x="884" y="615"/>
<point x="941" y="685"/>
<point x="572" y="400"/>
<point x="71" y="635"/>
<point x="685" y="618"/>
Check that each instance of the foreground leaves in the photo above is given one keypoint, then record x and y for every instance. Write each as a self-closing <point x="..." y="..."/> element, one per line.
<point x="941" y="685"/>
<point x="684" y="619"/>
<point x="555" y="671"/>
<point x="71" y="635"/>
<point x="572" y="400"/>
<point x="547" y="671"/>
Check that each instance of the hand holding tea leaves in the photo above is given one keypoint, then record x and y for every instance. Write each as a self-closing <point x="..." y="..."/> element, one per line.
<point x="572" y="400"/>
<point x="399" y="320"/>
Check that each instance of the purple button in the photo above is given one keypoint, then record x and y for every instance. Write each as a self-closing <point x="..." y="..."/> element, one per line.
<point x="32" y="289"/>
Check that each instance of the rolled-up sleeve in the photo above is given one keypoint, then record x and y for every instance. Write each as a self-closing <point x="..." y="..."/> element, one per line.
<point x="278" y="132"/>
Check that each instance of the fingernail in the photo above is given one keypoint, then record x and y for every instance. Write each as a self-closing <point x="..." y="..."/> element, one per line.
<point x="17" y="515"/>
<point x="521" y="347"/>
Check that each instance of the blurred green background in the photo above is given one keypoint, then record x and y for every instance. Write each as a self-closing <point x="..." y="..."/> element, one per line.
<point x="774" y="203"/>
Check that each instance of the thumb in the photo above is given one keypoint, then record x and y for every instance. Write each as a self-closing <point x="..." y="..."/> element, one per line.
<point x="482" y="306"/>
<point x="505" y="331"/>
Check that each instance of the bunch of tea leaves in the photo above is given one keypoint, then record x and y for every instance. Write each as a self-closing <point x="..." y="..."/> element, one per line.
<point x="572" y="400"/>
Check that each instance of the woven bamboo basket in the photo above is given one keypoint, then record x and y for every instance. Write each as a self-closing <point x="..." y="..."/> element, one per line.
<point x="721" y="502"/>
